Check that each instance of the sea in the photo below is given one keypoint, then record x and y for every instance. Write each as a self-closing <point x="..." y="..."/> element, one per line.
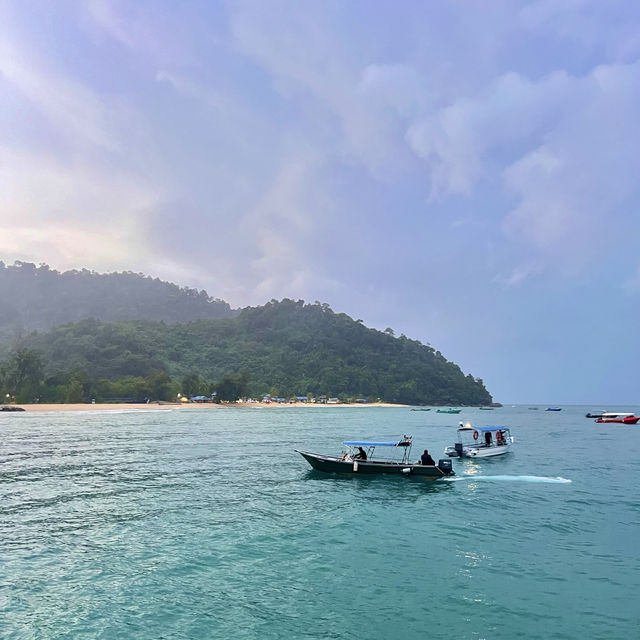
<point x="197" y="524"/>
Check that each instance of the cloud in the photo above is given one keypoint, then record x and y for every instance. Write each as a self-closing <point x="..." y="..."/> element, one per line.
<point x="71" y="214"/>
<point x="575" y="186"/>
<point x="78" y="115"/>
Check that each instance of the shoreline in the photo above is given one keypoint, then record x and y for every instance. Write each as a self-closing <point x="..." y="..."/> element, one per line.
<point x="168" y="406"/>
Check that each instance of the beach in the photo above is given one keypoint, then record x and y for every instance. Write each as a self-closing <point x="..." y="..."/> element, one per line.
<point x="32" y="408"/>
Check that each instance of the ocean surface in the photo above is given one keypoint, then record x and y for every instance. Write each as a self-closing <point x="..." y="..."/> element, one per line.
<point x="206" y="524"/>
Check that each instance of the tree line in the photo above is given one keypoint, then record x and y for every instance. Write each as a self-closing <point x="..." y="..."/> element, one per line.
<point x="285" y="348"/>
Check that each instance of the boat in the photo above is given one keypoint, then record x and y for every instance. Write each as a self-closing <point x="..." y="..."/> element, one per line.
<point x="609" y="414"/>
<point x="10" y="408"/>
<point x="486" y="408"/>
<point x="448" y="410"/>
<point x="397" y="462"/>
<point x="421" y="409"/>
<point x="480" y="442"/>
<point x="619" y="418"/>
<point x="553" y="409"/>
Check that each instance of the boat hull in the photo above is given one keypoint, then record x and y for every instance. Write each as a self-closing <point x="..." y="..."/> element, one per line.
<point x="331" y="464"/>
<point x="479" y="452"/>
<point x="632" y="420"/>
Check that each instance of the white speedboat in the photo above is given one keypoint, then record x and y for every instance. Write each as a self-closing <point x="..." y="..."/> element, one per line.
<point x="480" y="442"/>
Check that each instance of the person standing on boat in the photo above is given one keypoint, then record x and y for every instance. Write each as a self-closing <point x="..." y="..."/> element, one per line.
<point x="487" y="438"/>
<point x="361" y="455"/>
<point x="427" y="460"/>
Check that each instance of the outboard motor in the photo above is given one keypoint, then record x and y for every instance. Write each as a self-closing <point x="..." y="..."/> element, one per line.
<point x="446" y="466"/>
<point x="458" y="447"/>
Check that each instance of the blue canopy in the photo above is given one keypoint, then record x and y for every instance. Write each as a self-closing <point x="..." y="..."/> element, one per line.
<point x="370" y="443"/>
<point x="489" y="429"/>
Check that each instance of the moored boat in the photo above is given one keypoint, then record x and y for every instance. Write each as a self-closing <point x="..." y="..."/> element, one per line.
<point x="360" y="458"/>
<point x="448" y="410"/>
<point x="480" y="442"/>
<point x="620" y="419"/>
<point x="553" y="409"/>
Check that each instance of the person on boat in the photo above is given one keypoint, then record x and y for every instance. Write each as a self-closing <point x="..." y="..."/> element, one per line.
<point x="487" y="438"/>
<point x="427" y="460"/>
<point x="361" y="455"/>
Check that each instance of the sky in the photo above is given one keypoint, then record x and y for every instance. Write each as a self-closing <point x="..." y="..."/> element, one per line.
<point x="466" y="173"/>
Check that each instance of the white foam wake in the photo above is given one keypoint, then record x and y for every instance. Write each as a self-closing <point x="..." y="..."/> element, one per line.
<point x="538" y="479"/>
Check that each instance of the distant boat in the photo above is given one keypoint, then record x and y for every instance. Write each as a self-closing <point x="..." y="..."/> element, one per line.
<point x="631" y="419"/>
<point x="553" y="409"/>
<point x="421" y="409"/>
<point x="533" y="408"/>
<point x="486" y="408"/>
<point x="448" y="410"/>
<point x="598" y="414"/>
<point x="10" y="408"/>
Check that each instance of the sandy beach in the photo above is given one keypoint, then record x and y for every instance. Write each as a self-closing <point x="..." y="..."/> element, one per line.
<point x="186" y="406"/>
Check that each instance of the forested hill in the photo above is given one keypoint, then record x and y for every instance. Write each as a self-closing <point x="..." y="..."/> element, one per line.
<point x="41" y="298"/>
<point x="284" y="348"/>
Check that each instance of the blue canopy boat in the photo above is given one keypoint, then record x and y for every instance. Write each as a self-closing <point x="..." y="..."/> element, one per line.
<point x="360" y="457"/>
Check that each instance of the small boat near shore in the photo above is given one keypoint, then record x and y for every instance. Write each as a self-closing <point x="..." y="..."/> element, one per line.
<point x="619" y="418"/>
<point x="480" y="442"/>
<point x="448" y="410"/>
<point x="352" y="460"/>
<point x="10" y="408"/>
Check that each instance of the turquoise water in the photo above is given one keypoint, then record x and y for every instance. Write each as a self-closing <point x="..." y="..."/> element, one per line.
<point x="205" y="524"/>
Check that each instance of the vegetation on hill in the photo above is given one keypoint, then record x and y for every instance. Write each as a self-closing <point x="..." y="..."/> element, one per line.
<point x="40" y="298"/>
<point x="284" y="348"/>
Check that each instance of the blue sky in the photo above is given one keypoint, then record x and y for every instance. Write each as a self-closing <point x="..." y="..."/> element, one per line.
<point x="465" y="173"/>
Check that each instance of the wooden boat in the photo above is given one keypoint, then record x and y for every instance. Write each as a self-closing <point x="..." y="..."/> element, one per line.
<point x="351" y="462"/>
<point x="448" y="410"/>
<point x="480" y="442"/>
<point x="630" y="419"/>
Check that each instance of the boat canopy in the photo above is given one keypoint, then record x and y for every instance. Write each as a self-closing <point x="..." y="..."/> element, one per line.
<point x="489" y="429"/>
<point x="375" y="443"/>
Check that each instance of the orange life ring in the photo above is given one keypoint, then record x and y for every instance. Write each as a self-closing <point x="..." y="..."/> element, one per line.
<point x="475" y="435"/>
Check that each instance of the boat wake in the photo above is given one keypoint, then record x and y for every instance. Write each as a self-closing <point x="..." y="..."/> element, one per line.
<point x="534" y="479"/>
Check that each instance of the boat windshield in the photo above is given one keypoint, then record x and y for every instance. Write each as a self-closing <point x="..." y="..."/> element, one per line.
<point x="370" y="447"/>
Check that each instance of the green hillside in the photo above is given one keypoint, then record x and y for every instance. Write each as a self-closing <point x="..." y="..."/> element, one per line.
<point x="42" y="298"/>
<point x="285" y="348"/>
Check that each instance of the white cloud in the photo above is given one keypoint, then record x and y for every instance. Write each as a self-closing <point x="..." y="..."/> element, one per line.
<point x="76" y="113"/>
<point x="71" y="214"/>
<point x="574" y="187"/>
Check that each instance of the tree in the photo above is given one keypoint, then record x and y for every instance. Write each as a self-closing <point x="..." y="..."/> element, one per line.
<point x="192" y="385"/>
<point x="25" y="373"/>
<point x="232" y="386"/>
